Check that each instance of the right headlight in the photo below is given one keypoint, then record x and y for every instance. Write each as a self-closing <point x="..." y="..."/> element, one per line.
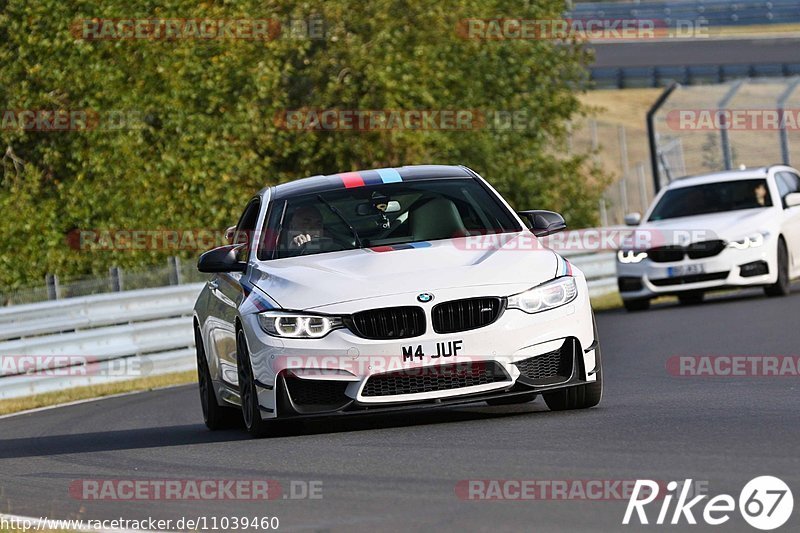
<point x="546" y="296"/>
<point x="630" y="256"/>
<point x="297" y="325"/>
<point x="751" y="241"/>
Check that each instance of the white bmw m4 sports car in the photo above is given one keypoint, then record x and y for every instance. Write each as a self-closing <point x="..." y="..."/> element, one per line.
<point x="389" y="289"/>
<point x="727" y="229"/>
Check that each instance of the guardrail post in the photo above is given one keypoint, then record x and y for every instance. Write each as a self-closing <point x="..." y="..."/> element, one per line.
<point x="115" y="274"/>
<point x="53" y="289"/>
<point x="174" y="264"/>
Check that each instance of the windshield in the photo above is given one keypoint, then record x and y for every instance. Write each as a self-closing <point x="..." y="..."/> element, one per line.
<point x="712" y="198"/>
<point x="383" y="215"/>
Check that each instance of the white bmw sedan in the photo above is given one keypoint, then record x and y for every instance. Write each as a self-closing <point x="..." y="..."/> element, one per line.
<point x="727" y="229"/>
<point x="389" y="289"/>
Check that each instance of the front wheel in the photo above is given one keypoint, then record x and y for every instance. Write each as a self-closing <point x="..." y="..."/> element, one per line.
<point x="248" y="395"/>
<point x="782" y="287"/>
<point x="214" y="416"/>
<point x="640" y="304"/>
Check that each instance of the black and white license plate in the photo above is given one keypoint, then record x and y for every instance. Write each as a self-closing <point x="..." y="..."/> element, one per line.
<point x="438" y="350"/>
<point x="685" y="270"/>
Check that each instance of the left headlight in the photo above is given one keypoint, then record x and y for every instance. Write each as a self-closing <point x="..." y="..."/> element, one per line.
<point x="548" y="295"/>
<point x="297" y="325"/>
<point x="751" y="241"/>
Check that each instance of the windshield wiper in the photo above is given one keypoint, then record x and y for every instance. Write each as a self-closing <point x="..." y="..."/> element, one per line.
<point x="341" y="217"/>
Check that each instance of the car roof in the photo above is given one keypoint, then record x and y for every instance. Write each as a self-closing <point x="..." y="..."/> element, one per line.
<point x="725" y="175"/>
<point x="360" y="178"/>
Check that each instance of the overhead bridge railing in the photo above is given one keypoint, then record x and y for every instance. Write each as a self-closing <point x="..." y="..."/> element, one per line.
<point x="56" y="345"/>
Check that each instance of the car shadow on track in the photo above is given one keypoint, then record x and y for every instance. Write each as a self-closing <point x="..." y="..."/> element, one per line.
<point x="193" y="434"/>
<point x="730" y="296"/>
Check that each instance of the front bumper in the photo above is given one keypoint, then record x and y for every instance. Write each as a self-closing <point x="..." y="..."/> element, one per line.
<point x="730" y="268"/>
<point x="336" y="374"/>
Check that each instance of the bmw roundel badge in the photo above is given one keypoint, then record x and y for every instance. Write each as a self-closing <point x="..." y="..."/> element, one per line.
<point x="425" y="297"/>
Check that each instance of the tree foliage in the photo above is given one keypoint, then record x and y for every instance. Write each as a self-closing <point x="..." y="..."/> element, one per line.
<point x="200" y="135"/>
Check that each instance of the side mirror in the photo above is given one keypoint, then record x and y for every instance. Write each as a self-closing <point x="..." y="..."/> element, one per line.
<point x="222" y="259"/>
<point x="633" y="219"/>
<point x="229" y="234"/>
<point x="792" y="199"/>
<point x="543" y="223"/>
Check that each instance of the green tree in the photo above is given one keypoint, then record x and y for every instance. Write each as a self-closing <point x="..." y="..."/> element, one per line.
<point x="201" y="136"/>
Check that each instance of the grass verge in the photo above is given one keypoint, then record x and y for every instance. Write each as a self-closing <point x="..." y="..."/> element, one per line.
<point x="14" y="405"/>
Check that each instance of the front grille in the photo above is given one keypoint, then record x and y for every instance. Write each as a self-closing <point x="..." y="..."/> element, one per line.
<point x="694" y="278"/>
<point x="666" y="254"/>
<point x="388" y="323"/>
<point x="434" y="378"/>
<point x="695" y="250"/>
<point x="464" y="315"/>
<point x="700" y="250"/>
<point x="550" y="367"/>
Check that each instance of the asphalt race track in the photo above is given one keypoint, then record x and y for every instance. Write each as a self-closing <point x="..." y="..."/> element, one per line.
<point x="400" y="472"/>
<point x="693" y="52"/>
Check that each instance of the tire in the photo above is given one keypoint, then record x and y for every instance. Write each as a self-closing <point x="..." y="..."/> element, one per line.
<point x="251" y="413"/>
<point x="637" y="305"/>
<point x="215" y="416"/>
<point x="782" y="287"/>
<point x="691" y="298"/>
<point x="580" y="396"/>
<point x="513" y="400"/>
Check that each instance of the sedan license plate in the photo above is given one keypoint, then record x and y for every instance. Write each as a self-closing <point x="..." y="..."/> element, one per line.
<point x="685" y="270"/>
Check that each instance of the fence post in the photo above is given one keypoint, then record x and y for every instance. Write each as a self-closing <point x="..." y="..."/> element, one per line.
<point x="115" y="274"/>
<point x="723" y="130"/>
<point x="642" y="187"/>
<point x="603" y="213"/>
<point x="51" y="280"/>
<point x="174" y="264"/>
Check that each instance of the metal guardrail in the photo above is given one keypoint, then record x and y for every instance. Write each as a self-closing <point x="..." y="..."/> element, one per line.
<point x="713" y="12"/>
<point x="662" y="76"/>
<point x="113" y="337"/>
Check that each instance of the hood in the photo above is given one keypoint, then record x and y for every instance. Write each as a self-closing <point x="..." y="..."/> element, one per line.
<point x="316" y="280"/>
<point x="730" y="225"/>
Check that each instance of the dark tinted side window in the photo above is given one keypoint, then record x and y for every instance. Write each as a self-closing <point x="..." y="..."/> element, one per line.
<point x="247" y="226"/>
<point x="788" y="182"/>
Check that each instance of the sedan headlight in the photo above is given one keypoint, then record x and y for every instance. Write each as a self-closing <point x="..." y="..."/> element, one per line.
<point x="549" y="295"/>
<point x="751" y="241"/>
<point x="630" y="256"/>
<point x="296" y="325"/>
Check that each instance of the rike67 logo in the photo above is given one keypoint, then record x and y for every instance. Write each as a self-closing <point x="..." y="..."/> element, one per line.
<point x="765" y="503"/>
